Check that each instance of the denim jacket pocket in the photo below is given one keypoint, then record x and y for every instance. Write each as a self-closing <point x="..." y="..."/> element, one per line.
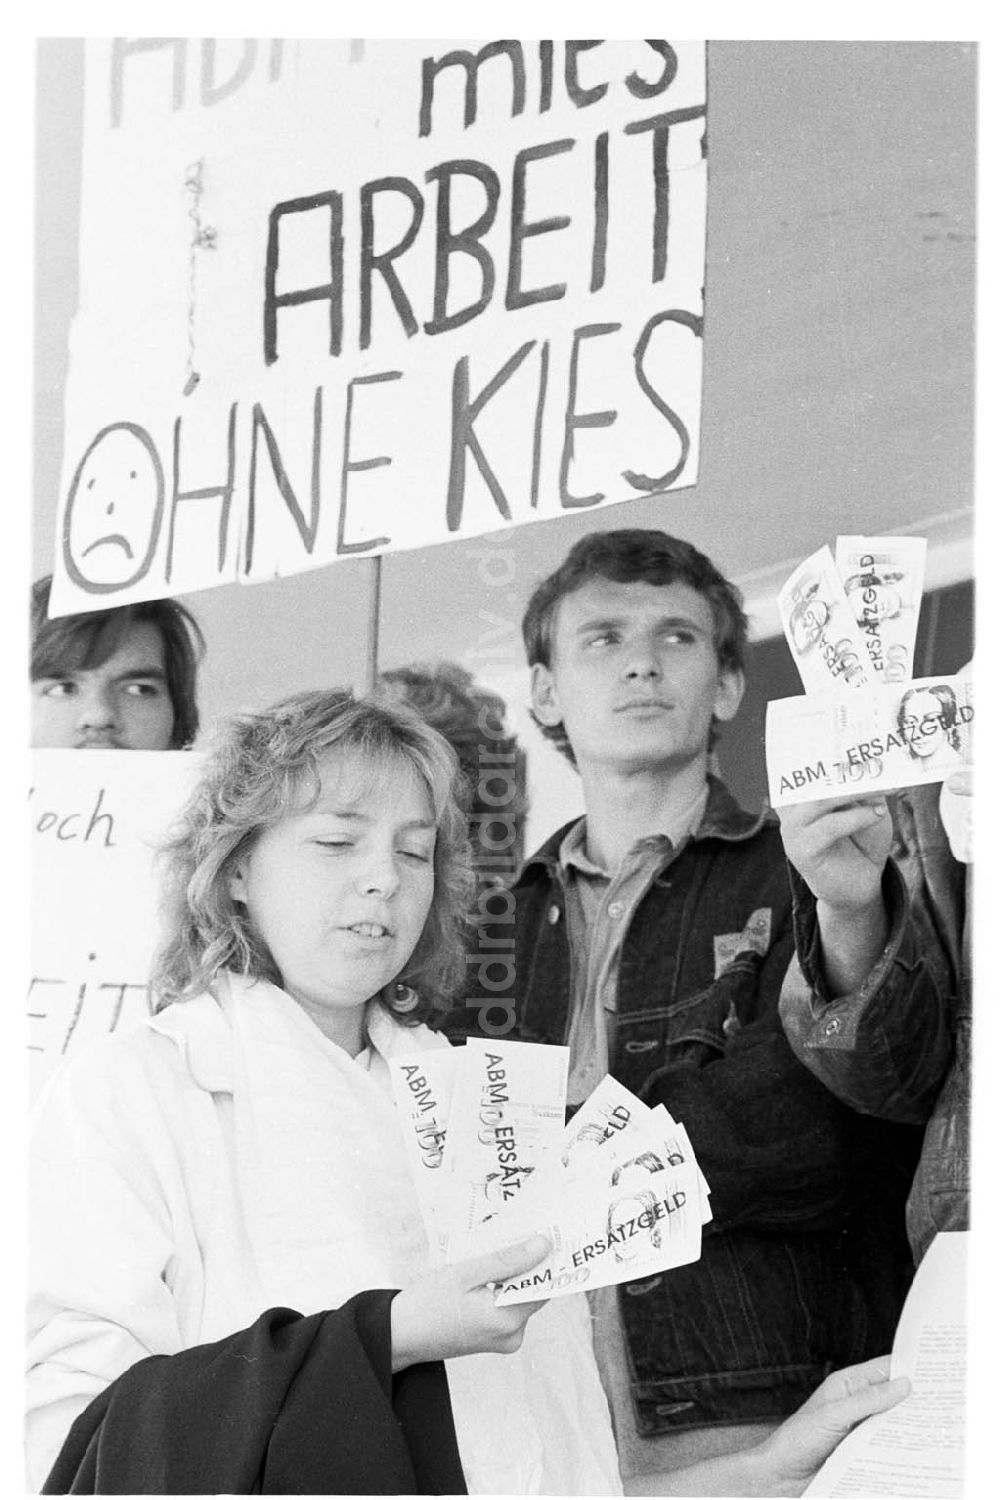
<point x="693" y="1030"/>
<point x="757" y="1313"/>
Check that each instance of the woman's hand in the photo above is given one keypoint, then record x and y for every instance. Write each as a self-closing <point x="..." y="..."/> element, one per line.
<point x="794" y="1451"/>
<point x="451" y="1310"/>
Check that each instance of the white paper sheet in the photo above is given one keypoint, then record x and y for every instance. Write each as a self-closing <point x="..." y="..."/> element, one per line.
<point x="917" y="1448"/>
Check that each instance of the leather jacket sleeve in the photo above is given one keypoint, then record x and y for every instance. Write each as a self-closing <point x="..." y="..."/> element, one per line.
<point x="886" y="1048"/>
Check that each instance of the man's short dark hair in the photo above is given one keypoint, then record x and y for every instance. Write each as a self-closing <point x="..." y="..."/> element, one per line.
<point x="77" y="643"/>
<point x="634" y="556"/>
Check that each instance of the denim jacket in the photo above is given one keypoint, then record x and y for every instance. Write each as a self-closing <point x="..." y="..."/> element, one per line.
<point x="785" y="1289"/>
<point x="900" y="1047"/>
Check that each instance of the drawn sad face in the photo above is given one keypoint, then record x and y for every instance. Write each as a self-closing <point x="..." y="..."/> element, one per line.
<point x="113" y="510"/>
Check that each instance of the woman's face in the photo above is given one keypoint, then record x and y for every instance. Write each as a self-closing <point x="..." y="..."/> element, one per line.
<point x="921" y="718"/>
<point x="875" y="601"/>
<point x="809" y="616"/>
<point x="340" y="891"/>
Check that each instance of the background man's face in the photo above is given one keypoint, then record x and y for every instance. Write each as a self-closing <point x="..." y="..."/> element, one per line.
<point x="124" y="704"/>
<point x="635" y="680"/>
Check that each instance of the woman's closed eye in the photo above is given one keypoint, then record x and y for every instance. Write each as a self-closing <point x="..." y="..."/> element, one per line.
<point x="420" y="856"/>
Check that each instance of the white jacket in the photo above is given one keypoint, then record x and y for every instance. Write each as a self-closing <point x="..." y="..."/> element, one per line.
<point x="225" y="1157"/>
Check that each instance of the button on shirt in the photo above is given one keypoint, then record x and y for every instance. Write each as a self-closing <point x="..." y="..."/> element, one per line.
<point x="599" y="910"/>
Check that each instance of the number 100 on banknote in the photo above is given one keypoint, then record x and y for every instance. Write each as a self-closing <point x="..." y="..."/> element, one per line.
<point x="875" y="739"/>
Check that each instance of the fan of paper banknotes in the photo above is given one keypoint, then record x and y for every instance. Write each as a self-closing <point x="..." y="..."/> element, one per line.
<point x="864" y="724"/>
<point x="617" y="1190"/>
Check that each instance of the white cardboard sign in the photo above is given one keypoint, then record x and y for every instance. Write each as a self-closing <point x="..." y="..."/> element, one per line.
<point x="342" y="298"/>
<point x="96" y="818"/>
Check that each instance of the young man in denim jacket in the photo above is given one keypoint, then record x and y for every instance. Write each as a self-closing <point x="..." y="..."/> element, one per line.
<point x="653" y="936"/>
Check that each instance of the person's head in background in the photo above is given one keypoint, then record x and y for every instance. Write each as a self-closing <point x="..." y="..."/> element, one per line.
<point x="116" y="679"/>
<point x="473" y="719"/>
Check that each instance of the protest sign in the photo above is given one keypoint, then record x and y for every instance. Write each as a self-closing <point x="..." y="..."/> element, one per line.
<point x="883" y="578"/>
<point x="851" y="623"/>
<point x="621" y="1196"/>
<point x="875" y="739"/>
<point x="820" y="626"/>
<point x="96" y="817"/>
<point x="423" y="1086"/>
<point x="342" y="298"/>
<point x="617" y="1190"/>
<point x="618" y="1217"/>
<point x="507" y="1109"/>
